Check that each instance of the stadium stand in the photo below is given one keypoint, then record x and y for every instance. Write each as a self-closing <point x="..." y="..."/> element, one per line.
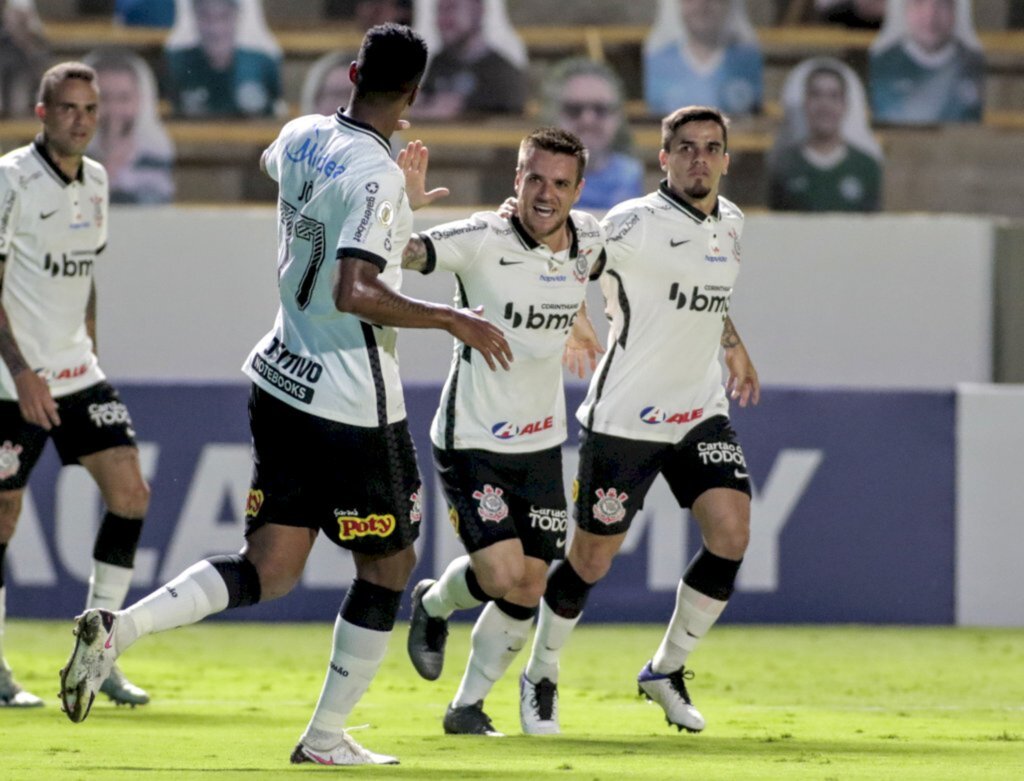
<point x="216" y="160"/>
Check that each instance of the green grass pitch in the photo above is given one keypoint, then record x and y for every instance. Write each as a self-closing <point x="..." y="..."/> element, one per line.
<point x="793" y="703"/>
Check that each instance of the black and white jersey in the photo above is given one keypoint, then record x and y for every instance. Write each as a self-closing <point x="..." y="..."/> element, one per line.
<point x="52" y="229"/>
<point x="667" y="283"/>
<point x="533" y="295"/>
<point x="341" y="194"/>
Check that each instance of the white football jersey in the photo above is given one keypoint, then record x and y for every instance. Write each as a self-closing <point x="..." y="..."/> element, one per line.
<point x="533" y="295"/>
<point x="667" y="282"/>
<point x="51" y="231"/>
<point x="340" y="194"/>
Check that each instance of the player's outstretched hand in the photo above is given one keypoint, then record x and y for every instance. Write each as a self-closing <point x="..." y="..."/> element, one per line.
<point x="582" y="347"/>
<point x="413" y="160"/>
<point x="485" y="337"/>
<point x="35" y="401"/>
<point x="743" y="383"/>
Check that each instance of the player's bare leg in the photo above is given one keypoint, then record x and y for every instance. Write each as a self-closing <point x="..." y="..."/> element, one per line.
<point x="12" y="695"/>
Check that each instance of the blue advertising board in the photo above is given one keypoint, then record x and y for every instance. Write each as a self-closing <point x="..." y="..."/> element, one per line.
<point x="853" y="518"/>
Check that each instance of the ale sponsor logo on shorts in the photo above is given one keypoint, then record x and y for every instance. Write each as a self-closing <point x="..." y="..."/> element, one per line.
<point x="10" y="459"/>
<point x="352" y="526"/>
<point x="492" y="506"/>
<point x="253" y="503"/>
<point x="611" y="505"/>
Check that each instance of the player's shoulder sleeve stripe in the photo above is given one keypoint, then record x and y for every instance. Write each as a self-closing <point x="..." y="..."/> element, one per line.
<point x="428" y="245"/>
<point x="362" y="254"/>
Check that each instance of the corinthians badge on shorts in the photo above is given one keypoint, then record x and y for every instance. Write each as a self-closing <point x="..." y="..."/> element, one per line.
<point x="610" y="507"/>
<point x="492" y="506"/>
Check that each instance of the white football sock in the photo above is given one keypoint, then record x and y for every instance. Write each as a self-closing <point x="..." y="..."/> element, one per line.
<point x="358" y="653"/>
<point x="450" y="592"/>
<point x="553" y="631"/>
<point x="108" y="585"/>
<point x="694" y="615"/>
<point x="497" y="639"/>
<point x="196" y="593"/>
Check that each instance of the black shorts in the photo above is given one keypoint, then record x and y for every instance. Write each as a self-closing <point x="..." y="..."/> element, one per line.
<point x="615" y="473"/>
<point x="360" y="486"/>
<point x="503" y="496"/>
<point x="91" y="420"/>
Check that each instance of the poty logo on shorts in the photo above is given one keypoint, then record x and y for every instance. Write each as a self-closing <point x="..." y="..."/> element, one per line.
<point x="453" y="518"/>
<point x="610" y="507"/>
<point x="653" y="416"/>
<point x="111" y="413"/>
<point x="253" y="503"/>
<point x="492" y="506"/>
<point x="376" y="525"/>
<point x="416" y="511"/>
<point x="10" y="459"/>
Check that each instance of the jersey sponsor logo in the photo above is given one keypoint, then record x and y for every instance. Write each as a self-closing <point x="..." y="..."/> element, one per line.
<point x="109" y="413"/>
<point x="47" y="215"/>
<point x="68" y="266"/>
<point x="509" y="430"/>
<point x="561" y="318"/>
<point x="352" y="526"/>
<point x="492" y="506"/>
<point x="293" y="363"/>
<point x="253" y="503"/>
<point x="503" y="262"/>
<point x="293" y="388"/>
<point x="65" y="374"/>
<point x="548" y="519"/>
<point x="306" y="155"/>
<point x="25" y="181"/>
<point x="385" y="213"/>
<point x="721" y="453"/>
<point x="448" y="233"/>
<point x="622" y="230"/>
<point x="701" y="302"/>
<point x="372" y="187"/>
<point x="5" y="215"/>
<point x="364" y="221"/>
<point x="10" y="459"/>
<point x="654" y="416"/>
<point x="681" y="242"/>
<point x="415" y="507"/>
<point x="611" y="505"/>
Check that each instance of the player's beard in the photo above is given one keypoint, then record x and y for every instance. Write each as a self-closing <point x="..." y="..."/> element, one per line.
<point x="698" y="191"/>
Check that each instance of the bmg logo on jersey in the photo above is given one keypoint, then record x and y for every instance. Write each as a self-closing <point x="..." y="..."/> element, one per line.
<point x="557" y="317"/>
<point x="68" y="266"/>
<point x="352" y="526"/>
<point x="710" y="301"/>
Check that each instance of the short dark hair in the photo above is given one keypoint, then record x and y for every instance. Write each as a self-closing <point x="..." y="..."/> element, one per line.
<point x="60" y="73"/>
<point x="391" y="60"/>
<point x="827" y="70"/>
<point x="556" y="141"/>
<point x="687" y="114"/>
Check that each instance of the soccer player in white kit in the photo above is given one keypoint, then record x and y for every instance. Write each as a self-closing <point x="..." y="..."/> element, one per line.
<point x="497" y="437"/>
<point x="657" y="405"/>
<point x="331" y="445"/>
<point x="53" y="226"/>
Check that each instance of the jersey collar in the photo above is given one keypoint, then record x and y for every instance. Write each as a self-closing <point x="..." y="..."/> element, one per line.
<point x="40" y="149"/>
<point x="531" y="243"/>
<point x="692" y="211"/>
<point x="362" y="127"/>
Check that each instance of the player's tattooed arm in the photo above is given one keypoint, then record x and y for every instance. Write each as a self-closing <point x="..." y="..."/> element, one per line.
<point x="743" y="383"/>
<point x="90" y="318"/>
<point x="414" y="256"/>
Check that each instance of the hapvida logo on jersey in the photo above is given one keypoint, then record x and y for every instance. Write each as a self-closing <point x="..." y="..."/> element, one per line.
<point x="654" y="416"/>
<point x="508" y="430"/>
<point x="492" y="505"/>
<point x="722" y="453"/>
<point x="548" y="316"/>
<point x="68" y="266"/>
<point x="352" y="526"/>
<point x="715" y="300"/>
<point x="307" y="155"/>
